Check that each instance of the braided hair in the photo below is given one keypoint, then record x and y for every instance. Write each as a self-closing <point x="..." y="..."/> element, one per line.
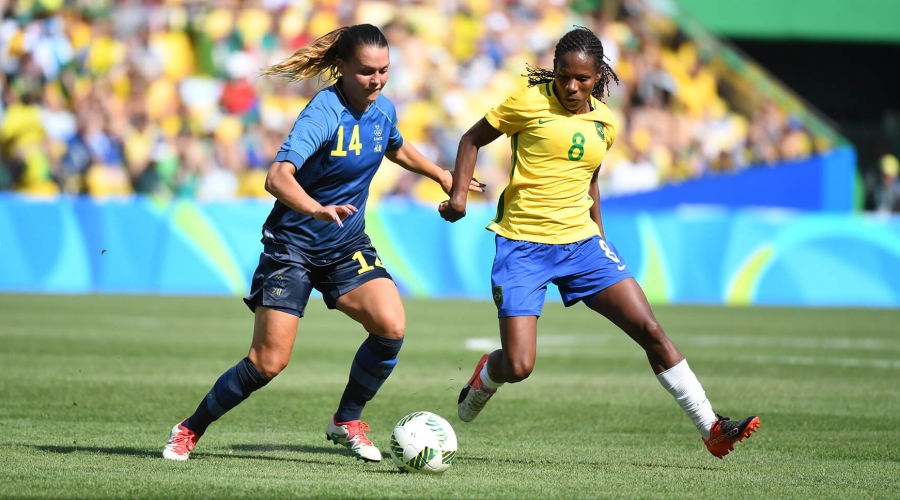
<point x="584" y="41"/>
<point x="320" y="57"/>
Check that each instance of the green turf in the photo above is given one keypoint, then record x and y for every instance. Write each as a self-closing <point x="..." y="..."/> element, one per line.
<point x="91" y="385"/>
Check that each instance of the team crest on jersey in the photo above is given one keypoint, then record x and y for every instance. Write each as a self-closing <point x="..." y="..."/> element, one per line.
<point x="599" y="127"/>
<point x="378" y="132"/>
<point x="497" y="293"/>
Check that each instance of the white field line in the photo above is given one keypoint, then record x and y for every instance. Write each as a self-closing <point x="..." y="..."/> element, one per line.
<point x="485" y="344"/>
<point x="726" y="340"/>
<point x="814" y="361"/>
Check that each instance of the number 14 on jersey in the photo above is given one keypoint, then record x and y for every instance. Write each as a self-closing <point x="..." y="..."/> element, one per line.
<point x="354" y="145"/>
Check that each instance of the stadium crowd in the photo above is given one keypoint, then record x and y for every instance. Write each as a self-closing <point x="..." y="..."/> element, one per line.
<point x="165" y="97"/>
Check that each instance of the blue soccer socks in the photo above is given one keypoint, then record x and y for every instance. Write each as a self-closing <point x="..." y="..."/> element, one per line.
<point x="373" y="364"/>
<point x="234" y="386"/>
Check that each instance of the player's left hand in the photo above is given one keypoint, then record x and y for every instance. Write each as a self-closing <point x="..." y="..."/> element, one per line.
<point x="447" y="183"/>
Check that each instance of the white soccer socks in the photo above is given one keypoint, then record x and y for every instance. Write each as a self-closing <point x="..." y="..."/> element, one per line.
<point x="486" y="382"/>
<point x="683" y="385"/>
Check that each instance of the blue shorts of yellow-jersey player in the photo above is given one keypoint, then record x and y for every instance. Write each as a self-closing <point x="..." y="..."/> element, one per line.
<point x="522" y="270"/>
<point x="285" y="276"/>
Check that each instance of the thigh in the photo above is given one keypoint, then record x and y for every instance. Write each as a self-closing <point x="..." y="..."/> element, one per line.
<point x="586" y="268"/>
<point x="519" y="277"/>
<point x="376" y="305"/>
<point x="274" y="333"/>
<point x="518" y="336"/>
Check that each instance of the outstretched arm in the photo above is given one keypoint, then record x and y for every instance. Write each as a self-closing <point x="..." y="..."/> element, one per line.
<point x="411" y="159"/>
<point x="594" y="193"/>
<point x="281" y="184"/>
<point x="481" y="134"/>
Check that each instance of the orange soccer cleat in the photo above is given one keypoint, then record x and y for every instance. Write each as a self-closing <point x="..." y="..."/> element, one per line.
<point x="724" y="433"/>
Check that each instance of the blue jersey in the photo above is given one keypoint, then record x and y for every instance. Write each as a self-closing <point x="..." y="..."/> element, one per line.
<point x="337" y="149"/>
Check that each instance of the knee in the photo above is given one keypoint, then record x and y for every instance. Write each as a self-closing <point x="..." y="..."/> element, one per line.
<point x="519" y="370"/>
<point x="653" y="335"/>
<point x="269" y="366"/>
<point x="391" y="328"/>
<point x="653" y="330"/>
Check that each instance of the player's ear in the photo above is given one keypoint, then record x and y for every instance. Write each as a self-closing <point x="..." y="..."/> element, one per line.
<point x="339" y="64"/>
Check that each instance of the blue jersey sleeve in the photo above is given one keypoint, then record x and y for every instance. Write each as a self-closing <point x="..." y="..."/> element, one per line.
<point x="313" y="128"/>
<point x="395" y="140"/>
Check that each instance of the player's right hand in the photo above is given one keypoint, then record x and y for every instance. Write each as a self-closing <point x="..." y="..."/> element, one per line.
<point x="449" y="213"/>
<point x="335" y="213"/>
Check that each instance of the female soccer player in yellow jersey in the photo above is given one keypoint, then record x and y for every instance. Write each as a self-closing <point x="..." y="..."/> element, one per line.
<point x="549" y="230"/>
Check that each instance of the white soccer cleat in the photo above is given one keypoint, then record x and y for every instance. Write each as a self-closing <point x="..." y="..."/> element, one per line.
<point x="181" y="442"/>
<point x="473" y="396"/>
<point x="353" y="436"/>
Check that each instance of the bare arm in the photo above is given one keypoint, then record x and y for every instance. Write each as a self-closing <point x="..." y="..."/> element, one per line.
<point x="411" y="159"/>
<point x="480" y="135"/>
<point x="594" y="193"/>
<point x="280" y="182"/>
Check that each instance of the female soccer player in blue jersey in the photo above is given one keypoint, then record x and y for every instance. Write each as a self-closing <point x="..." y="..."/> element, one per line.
<point x="315" y="235"/>
<point x="549" y="230"/>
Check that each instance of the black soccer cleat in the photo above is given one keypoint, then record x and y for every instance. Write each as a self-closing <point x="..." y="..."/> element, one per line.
<point x="724" y="433"/>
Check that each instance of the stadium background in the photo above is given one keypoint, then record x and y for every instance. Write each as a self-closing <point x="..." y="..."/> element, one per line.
<point x="136" y="136"/>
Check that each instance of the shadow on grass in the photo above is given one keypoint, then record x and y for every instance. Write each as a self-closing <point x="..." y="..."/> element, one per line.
<point x="293" y="448"/>
<point x="65" y="450"/>
<point x="519" y="461"/>
<point x="324" y="450"/>
<point x="300" y="448"/>
<point x="392" y="472"/>
<point x="649" y="465"/>
<point x="136" y="452"/>
<point x="594" y="463"/>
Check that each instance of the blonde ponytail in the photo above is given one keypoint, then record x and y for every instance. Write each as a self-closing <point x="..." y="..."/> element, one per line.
<point x="312" y="60"/>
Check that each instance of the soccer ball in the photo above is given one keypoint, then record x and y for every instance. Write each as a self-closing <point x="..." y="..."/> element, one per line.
<point x="423" y="442"/>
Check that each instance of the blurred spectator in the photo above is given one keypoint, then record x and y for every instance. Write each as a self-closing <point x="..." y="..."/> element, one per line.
<point x="636" y="175"/>
<point x="164" y="98"/>
<point x="887" y="194"/>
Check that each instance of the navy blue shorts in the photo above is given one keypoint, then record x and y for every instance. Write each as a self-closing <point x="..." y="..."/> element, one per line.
<point x="285" y="276"/>
<point x="523" y="269"/>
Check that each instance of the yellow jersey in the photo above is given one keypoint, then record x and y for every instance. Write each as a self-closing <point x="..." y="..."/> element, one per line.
<point x="554" y="155"/>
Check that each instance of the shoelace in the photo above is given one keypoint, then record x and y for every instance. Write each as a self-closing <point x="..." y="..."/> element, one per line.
<point x="358" y="429"/>
<point x="183" y="441"/>
<point x="480" y="398"/>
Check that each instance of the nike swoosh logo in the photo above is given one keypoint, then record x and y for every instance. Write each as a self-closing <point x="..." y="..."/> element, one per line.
<point x="543" y="121"/>
<point x="621" y="267"/>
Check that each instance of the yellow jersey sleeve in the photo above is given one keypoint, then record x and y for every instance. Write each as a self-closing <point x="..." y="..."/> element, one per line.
<point x="513" y="114"/>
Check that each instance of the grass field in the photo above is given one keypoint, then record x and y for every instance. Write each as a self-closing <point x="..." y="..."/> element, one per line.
<point x="91" y="385"/>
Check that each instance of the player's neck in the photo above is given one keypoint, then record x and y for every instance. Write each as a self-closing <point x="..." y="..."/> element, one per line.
<point x="361" y="105"/>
